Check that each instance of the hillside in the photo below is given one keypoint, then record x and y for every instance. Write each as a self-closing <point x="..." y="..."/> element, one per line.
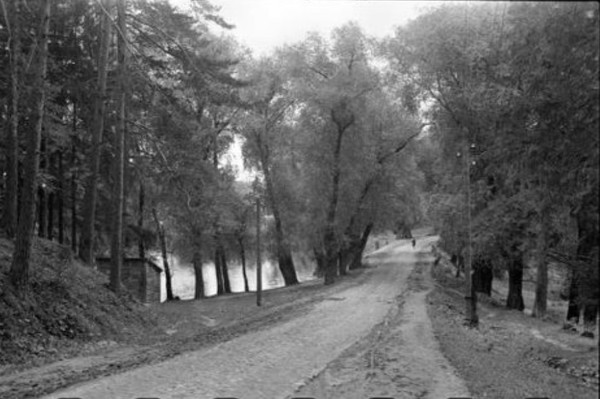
<point x="68" y="309"/>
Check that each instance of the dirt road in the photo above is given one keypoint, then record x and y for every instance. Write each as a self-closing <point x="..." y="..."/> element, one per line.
<point x="287" y="359"/>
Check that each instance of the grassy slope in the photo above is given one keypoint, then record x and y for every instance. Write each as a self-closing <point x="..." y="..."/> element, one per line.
<point x="67" y="307"/>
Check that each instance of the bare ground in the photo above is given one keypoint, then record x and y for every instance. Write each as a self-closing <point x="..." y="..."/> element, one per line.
<point x="183" y="326"/>
<point x="511" y="355"/>
<point x="400" y="358"/>
<point x="272" y="362"/>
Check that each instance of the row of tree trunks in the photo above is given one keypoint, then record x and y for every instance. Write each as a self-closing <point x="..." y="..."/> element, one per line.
<point x="584" y="293"/>
<point x="50" y="200"/>
<point x="350" y="256"/>
<point x="19" y="270"/>
<point x="223" y="285"/>
<point x="459" y="262"/>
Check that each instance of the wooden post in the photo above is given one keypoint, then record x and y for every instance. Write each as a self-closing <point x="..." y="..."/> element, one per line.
<point x="258" y="261"/>
<point x="470" y="294"/>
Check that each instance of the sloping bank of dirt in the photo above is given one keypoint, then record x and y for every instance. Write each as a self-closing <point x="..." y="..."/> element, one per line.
<point x="400" y="358"/>
<point x="511" y="355"/>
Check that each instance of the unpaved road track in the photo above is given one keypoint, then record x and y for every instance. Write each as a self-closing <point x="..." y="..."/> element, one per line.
<point x="276" y="362"/>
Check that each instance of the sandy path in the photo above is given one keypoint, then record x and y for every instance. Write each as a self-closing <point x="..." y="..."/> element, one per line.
<point x="401" y="357"/>
<point x="273" y="363"/>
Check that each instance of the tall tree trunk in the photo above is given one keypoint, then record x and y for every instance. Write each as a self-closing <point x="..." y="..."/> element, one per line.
<point x="116" y="248"/>
<point x="73" y="201"/>
<point x="482" y="276"/>
<point x="160" y="230"/>
<point x="320" y="259"/>
<point x="140" y="222"/>
<point x="50" y="201"/>
<point x="342" y="261"/>
<point x="199" y="289"/>
<point x="219" y="273"/>
<point x="19" y="269"/>
<point x="541" y="286"/>
<point x="86" y="240"/>
<point x="243" y="260"/>
<point x="359" y="250"/>
<point x="342" y="121"/>
<point x="223" y="264"/>
<point x="284" y="253"/>
<point x="12" y="137"/>
<point x="41" y="206"/>
<point x="515" y="285"/>
<point x="573" y="310"/>
<point x="73" y="181"/>
<point x="141" y="244"/>
<point x="60" y="200"/>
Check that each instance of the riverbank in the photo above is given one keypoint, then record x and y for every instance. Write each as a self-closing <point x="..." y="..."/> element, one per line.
<point x="180" y="326"/>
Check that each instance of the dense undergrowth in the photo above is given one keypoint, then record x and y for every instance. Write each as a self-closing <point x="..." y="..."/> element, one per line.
<point x="67" y="304"/>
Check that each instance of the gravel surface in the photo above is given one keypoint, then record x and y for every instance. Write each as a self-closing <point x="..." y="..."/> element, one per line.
<point x="400" y="358"/>
<point x="275" y="362"/>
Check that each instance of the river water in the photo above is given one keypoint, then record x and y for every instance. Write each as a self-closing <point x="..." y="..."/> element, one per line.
<point x="184" y="283"/>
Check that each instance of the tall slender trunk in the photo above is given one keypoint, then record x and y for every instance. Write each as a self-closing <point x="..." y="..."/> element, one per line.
<point x="118" y="198"/>
<point x="86" y="239"/>
<point x="73" y="182"/>
<point x="243" y="260"/>
<point x="141" y="243"/>
<point x="514" y="299"/>
<point x="284" y="253"/>
<point x="12" y="137"/>
<point x="573" y="309"/>
<point x="50" y="201"/>
<point x="223" y="263"/>
<point x="482" y="276"/>
<point x="358" y="254"/>
<point x="60" y="200"/>
<point x="199" y="289"/>
<point x="541" y="286"/>
<point x="160" y="230"/>
<point x="41" y="206"/>
<point x="219" y="274"/>
<point x="320" y="259"/>
<point x="140" y="221"/>
<point x="352" y="242"/>
<point x="73" y="202"/>
<point x="19" y="269"/>
<point x="329" y="239"/>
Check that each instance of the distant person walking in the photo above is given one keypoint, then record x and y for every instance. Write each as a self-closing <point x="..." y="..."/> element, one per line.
<point x="414" y="242"/>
